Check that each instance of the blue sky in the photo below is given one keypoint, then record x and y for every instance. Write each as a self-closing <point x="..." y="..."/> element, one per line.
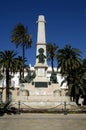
<point x="65" y="23"/>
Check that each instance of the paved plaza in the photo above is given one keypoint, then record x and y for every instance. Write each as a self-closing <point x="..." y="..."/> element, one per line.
<point x="43" y="122"/>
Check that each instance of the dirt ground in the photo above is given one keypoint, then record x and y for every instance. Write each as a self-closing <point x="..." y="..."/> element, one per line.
<point x="43" y="122"/>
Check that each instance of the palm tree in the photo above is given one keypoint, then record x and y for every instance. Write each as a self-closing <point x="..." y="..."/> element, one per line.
<point x="51" y="52"/>
<point x="69" y="62"/>
<point x="8" y="63"/>
<point x="20" y="36"/>
<point x="68" y="59"/>
<point x="76" y="84"/>
<point x="1" y="76"/>
<point x="84" y="79"/>
<point x="19" y="66"/>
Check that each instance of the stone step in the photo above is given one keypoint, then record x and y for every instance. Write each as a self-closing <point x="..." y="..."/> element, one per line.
<point x="43" y="105"/>
<point x="43" y="98"/>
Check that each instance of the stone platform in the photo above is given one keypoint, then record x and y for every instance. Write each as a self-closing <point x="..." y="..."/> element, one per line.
<point x="41" y="98"/>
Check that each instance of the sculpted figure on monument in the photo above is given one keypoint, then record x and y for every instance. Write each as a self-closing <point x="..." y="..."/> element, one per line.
<point x="41" y="56"/>
<point x="29" y="77"/>
<point x="53" y="77"/>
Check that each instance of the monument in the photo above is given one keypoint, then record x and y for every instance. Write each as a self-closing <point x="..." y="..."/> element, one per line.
<point x="41" y="93"/>
<point x="41" y="63"/>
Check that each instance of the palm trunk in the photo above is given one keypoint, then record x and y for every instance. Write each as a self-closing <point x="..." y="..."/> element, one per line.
<point x="23" y="57"/>
<point x="52" y="63"/>
<point x="7" y="85"/>
<point x="77" y="99"/>
<point x="20" y="75"/>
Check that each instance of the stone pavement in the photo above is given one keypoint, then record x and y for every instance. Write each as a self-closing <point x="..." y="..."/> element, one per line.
<point x="43" y="122"/>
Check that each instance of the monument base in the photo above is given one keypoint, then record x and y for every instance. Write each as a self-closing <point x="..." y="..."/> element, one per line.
<point x="41" y="98"/>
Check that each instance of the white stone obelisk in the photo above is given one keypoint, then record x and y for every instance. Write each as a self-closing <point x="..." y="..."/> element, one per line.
<point x="41" y="63"/>
<point x="41" y="30"/>
<point x="41" y="40"/>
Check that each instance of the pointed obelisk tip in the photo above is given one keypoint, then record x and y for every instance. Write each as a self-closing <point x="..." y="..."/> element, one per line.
<point x="41" y="18"/>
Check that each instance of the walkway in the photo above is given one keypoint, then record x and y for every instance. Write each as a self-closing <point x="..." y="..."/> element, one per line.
<point x="43" y="122"/>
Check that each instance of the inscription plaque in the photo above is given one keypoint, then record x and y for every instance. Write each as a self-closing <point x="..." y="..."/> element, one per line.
<point x="41" y="84"/>
<point x="41" y="72"/>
